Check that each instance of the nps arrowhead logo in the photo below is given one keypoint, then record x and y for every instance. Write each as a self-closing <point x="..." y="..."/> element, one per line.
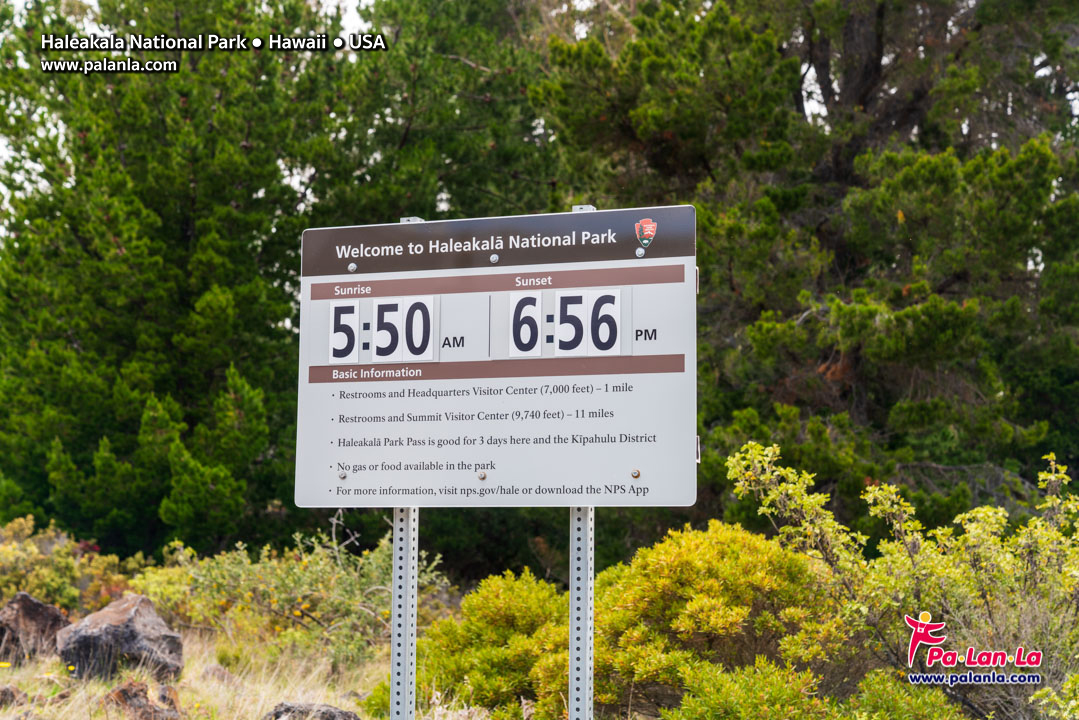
<point x="646" y="231"/>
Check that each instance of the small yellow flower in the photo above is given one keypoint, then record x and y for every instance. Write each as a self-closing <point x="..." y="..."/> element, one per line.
<point x="305" y="606"/>
<point x="900" y="217"/>
<point x="71" y="668"/>
<point x="297" y="613"/>
<point x="277" y="628"/>
<point x="5" y="664"/>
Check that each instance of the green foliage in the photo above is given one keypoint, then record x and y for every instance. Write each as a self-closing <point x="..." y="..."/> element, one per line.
<point x="53" y="568"/>
<point x="994" y="588"/>
<point x="486" y="658"/>
<point x="150" y="237"/>
<point x="204" y="501"/>
<point x="886" y="197"/>
<point x="315" y="594"/>
<point x="438" y="126"/>
<point x="130" y="267"/>
<point x="697" y="101"/>
<point x="886" y="695"/>
<point x="1059" y="705"/>
<point x="720" y="595"/>
<point x="756" y="692"/>
<point x="764" y="691"/>
<point x="13" y="501"/>
<point x="42" y="564"/>
<point x="885" y="271"/>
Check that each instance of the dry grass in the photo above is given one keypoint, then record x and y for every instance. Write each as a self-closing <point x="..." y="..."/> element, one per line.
<point x="254" y="689"/>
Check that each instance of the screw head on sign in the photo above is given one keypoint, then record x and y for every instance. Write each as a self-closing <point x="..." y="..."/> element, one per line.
<point x="352" y="267"/>
<point x="342" y="475"/>
<point x="635" y="474"/>
<point x="640" y="252"/>
<point x="494" y="257"/>
<point x="483" y="476"/>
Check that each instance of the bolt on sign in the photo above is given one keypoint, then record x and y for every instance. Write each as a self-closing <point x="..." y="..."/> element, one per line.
<point x="508" y="361"/>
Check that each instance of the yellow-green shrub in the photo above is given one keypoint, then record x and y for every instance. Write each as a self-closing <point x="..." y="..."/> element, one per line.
<point x="765" y="691"/>
<point x="720" y="595"/>
<point x="55" y="569"/>
<point x="887" y="695"/>
<point x="994" y="582"/>
<point x="486" y="657"/>
<point x="1063" y="705"/>
<point x="313" y="595"/>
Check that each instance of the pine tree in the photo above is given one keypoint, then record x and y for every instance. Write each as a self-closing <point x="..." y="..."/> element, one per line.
<point x="884" y="250"/>
<point x="149" y="260"/>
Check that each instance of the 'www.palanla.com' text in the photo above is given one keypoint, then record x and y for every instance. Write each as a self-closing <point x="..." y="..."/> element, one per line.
<point x="108" y="65"/>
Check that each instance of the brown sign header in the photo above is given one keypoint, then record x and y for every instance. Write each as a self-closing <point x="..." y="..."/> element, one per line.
<point x="658" y="232"/>
<point x="493" y="283"/>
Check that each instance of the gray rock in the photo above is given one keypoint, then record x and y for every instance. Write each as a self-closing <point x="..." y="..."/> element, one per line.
<point x="308" y="711"/>
<point x="128" y="629"/>
<point x="28" y="628"/>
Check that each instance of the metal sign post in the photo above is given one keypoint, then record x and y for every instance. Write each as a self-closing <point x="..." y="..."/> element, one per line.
<point x="406" y="531"/>
<point x="581" y="611"/>
<point x="406" y="524"/>
<point x="582" y="575"/>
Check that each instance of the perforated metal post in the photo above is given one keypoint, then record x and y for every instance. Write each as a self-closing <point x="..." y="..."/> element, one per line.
<point x="582" y="553"/>
<point x="406" y="533"/>
<point x="582" y="544"/>
<point x="406" y="523"/>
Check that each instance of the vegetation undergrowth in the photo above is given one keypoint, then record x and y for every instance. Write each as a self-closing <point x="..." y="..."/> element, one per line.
<point x="724" y="623"/>
<point x="204" y="690"/>
<point x="716" y="622"/>
<point x="317" y="595"/>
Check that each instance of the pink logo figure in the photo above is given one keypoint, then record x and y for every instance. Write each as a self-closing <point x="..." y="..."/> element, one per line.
<point x="922" y="632"/>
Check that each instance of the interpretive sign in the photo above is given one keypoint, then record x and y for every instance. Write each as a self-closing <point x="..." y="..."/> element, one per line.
<point x="530" y="360"/>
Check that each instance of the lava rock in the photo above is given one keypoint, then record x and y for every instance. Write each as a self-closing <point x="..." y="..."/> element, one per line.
<point x="169" y="697"/>
<point x="11" y="696"/>
<point x="308" y="711"/>
<point x="28" y="628"/>
<point x="43" y="700"/>
<point x="133" y="699"/>
<point x="128" y="629"/>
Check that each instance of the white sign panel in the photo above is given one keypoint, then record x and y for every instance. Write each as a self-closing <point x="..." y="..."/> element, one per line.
<point x="514" y="361"/>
